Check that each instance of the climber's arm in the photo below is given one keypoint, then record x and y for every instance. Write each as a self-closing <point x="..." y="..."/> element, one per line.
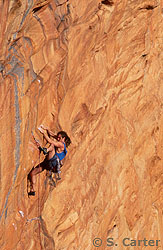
<point x="47" y="137"/>
<point x="51" y="141"/>
<point x="50" y="148"/>
<point x="51" y="133"/>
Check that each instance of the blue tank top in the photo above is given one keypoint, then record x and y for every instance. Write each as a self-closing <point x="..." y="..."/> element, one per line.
<point x="62" y="155"/>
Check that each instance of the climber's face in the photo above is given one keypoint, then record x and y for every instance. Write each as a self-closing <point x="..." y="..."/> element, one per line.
<point x="60" y="138"/>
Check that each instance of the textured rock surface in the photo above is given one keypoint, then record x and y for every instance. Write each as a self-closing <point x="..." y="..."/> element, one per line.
<point x="92" y="68"/>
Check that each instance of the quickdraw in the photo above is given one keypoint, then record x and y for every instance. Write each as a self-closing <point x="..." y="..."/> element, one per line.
<point x="44" y="150"/>
<point x="37" y="141"/>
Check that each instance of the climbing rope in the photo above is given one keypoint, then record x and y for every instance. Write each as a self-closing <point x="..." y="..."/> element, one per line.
<point x="38" y="205"/>
<point x="39" y="208"/>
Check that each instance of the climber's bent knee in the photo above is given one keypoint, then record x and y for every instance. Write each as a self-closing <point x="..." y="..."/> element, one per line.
<point x="39" y="168"/>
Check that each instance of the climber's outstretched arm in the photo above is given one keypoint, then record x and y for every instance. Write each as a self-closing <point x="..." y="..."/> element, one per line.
<point x="51" y="133"/>
<point x="51" y="141"/>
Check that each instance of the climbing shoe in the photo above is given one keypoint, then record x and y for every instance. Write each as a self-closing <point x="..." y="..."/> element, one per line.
<point x="31" y="193"/>
<point x="52" y="182"/>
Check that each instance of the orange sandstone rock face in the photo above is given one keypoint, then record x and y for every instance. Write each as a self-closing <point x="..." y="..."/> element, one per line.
<point x="93" y="69"/>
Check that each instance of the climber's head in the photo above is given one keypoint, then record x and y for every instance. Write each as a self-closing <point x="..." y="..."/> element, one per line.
<point x="63" y="137"/>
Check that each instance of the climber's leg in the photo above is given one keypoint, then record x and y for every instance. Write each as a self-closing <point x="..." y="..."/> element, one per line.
<point x="58" y="171"/>
<point x="38" y="169"/>
<point x="58" y="176"/>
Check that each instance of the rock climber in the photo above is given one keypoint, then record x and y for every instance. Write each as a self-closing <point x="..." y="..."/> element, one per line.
<point x="55" y="153"/>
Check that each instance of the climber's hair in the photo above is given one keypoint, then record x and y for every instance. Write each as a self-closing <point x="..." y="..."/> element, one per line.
<point x="67" y="138"/>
